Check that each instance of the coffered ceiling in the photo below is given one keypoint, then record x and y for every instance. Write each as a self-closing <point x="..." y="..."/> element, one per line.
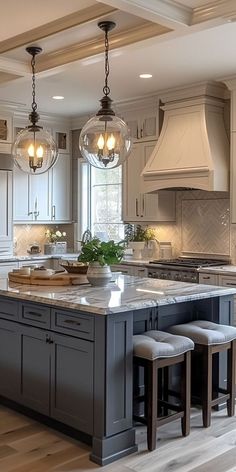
<point x="178" y="42"/>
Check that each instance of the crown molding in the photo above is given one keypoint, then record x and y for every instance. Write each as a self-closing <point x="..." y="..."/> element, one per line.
<point x="61" y="24"/>
<point x="95" y="46"/>
<point x="219" y="9"/>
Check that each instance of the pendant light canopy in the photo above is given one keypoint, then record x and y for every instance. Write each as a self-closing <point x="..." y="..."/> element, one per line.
<point x="105" y="140"/>
<point x="34" y="150"/>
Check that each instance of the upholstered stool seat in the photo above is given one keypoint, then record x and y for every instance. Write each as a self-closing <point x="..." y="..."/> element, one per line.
<point x="205" y="332"/>
<point x="154" y="350"/>
<point x="211" y="338"/>
<point x="158" y="344"/>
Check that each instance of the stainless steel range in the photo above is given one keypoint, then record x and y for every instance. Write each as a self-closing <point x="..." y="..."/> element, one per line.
<point x="182" y="269"/>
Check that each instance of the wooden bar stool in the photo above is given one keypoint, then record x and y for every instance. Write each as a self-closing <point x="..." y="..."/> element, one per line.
<point x="211" y="338"/>
<point x="155" y="350"/>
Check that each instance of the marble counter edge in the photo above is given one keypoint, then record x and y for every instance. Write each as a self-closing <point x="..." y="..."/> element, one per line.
<point x="214" y="291"/>
<point x="37" y="257"/>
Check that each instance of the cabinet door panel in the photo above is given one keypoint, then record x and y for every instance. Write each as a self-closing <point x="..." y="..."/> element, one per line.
<point x="131" y="185"/>
<point x="6" y="206"/>
<point x="35" y="373"/>
<point x="10" y="360"/>
<point x="72" y="382"/>
<point x="21" y="204"/>
<point x="40" y="196"/>
<point x="61" y="189"/>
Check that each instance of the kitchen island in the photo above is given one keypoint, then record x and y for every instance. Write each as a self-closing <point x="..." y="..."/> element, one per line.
<point x="66" y="352"/>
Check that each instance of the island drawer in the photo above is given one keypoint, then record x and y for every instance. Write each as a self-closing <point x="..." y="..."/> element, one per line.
<point x="8" y="309"/>
<point x="35" y="315"/>
<point x="78" y="325"/>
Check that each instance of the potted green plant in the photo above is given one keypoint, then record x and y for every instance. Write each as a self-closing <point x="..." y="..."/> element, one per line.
<point x="136" y="237"/>
<point x="100" y="255"/>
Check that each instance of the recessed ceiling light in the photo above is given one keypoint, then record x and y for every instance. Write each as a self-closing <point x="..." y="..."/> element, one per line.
<point x="145" y="76"/>
<point x="58" y="97"/>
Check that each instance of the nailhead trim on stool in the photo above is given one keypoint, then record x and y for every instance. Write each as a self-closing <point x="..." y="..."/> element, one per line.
<point x="155" y="350"/>
<point x="211" y="338"/>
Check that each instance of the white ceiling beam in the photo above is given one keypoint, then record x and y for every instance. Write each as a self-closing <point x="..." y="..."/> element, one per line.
<point x="94" y="46"/>
<point x="77" y="18"/>
<point x="168" y="13"/>
<point x="14" y="67"/>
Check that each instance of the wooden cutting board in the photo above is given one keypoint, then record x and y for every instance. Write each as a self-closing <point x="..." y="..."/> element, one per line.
<point x="55" y="279"/>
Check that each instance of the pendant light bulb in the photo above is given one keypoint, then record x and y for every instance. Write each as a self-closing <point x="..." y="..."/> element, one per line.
<point x="34" y="150"/>
<point x="105" y="140"/>
<point x="111" y="142"/>
<point x="101" y="142"/>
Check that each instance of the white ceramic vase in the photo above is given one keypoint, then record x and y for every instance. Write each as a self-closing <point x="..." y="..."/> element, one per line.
<point x="137" y="247"/>
<point x="98" y="275"/>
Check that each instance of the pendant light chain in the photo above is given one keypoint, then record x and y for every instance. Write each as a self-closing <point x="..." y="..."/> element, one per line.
<point x="34" y="104"/>
<point x="106" y="88"/>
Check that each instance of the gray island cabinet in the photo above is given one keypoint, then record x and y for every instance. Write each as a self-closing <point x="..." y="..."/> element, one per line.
<point x="66" y="352"/>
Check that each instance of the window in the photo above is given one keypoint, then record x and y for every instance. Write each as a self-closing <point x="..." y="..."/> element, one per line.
<point x="101" y="206"/>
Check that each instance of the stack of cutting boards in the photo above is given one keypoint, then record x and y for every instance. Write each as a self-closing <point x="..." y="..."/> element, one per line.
<point x="61" y="278"/>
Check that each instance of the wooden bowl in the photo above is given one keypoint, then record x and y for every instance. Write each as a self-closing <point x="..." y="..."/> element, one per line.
<point x="75" y="267"/>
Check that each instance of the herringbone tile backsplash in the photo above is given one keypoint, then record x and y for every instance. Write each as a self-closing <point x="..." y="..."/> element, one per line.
<point x="25" y="235"/>
<point x="202" y="225"/>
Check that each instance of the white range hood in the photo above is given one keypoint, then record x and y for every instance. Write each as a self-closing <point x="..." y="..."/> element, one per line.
<point x="193" y="149"/>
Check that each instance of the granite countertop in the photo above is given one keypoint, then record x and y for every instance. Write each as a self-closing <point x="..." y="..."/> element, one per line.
<point x="136" y="262"/>
<point x="30" y="257"/>
<point x="223" y="270"/>
<point x="125" y="293"/>
<point x="69" y="255"/>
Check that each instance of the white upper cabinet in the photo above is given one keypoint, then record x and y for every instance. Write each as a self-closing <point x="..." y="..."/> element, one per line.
<point x="143" y="126"/>
<point x="5" y="212"/>
<point x="31" y="196"/>
<point x="143" y="118"/>
<point x="138" y="206"/>
<point x="45" y="197"/>
<point x="61" y="189"/>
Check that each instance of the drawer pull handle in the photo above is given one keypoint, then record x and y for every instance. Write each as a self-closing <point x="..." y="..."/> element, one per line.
<point x="73" y="322"/>
<point x="206" y="278"/>
<point x="33" y="313"/>
<point x="231" y="283"/>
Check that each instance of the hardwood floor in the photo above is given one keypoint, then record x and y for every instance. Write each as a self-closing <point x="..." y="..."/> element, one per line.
<point x="28" y="446"/>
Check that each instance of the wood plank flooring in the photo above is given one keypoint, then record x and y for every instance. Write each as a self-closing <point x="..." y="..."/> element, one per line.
<point x="28" y="446"/>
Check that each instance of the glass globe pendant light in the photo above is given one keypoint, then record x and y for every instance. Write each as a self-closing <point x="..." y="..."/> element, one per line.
<point x="105" y="140"/>
<point x="34" y="150"/>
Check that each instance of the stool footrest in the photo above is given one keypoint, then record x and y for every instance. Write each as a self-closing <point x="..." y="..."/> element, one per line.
<point x="169" y="418"/>
<point x="220" y="399"/>
<point x="170" y="406"/>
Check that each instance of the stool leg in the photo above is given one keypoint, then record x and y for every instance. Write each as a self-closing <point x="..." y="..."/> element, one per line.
<point x="165" y="388"/>
<point x="152" y="389"/>
<point x="231" y="365"/>
<point x="206" y="386"/>
<point x="186" y="393"/>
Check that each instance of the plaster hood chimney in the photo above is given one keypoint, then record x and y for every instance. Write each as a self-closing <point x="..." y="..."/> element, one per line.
<point x="193" y="148"/>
